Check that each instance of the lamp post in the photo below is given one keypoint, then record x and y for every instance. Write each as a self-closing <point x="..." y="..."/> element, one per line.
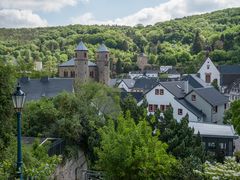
<point x="18" y="98"/>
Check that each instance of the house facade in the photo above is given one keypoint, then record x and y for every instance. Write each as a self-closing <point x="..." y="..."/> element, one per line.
<point x="210" y="102"/>
<point x="160" y="97"/>
<point x="224" y="75"/>
<point x="209" y="72"/>
<point x="204" y="104"/>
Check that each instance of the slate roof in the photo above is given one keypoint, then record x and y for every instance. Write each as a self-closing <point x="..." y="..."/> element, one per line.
<point x="72" y="63"/>
<point x="194" y="81"/>
<point x="102" y="48"/>
<point x="145" y="83"/>
<point x="213" y="130"/>
<point x="45" y="87"/>
<point x="129" y="82"/>
<point x="211" y="95"/>
<point x="229" y="69"/>
<point x="175" y="87"/>
<point x="81" y="47"/>
<point x="137" y="95"/>
<point x="191" y="108"/>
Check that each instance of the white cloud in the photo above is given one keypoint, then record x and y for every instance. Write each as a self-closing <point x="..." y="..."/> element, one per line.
<point x="12" y="18"/>
<point x="38" y="5"/>
<point x="165" y="11"/>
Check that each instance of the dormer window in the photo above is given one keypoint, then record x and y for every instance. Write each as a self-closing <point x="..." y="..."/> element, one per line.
<point x="193" y="97"/>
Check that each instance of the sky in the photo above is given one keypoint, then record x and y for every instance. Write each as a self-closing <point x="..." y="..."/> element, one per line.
<point x="42" y="13"/>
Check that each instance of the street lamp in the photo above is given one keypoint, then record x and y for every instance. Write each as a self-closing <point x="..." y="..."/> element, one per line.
<point x="18" y="98"/>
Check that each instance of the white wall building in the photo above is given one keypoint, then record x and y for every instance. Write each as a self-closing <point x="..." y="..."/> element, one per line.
<point x="209" y="72"/>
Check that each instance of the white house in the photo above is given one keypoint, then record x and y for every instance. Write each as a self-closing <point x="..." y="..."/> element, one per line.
<point x="126" y="84"/>
<point x="225" y="75"/>
<point x="209" y="72"/>
<point x="203" y="104"/>
<point x="171" y="93"/>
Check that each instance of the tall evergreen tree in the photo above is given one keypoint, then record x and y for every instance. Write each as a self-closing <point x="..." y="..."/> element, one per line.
<point x="182" y="143"/>
<point x="197" y="43"/>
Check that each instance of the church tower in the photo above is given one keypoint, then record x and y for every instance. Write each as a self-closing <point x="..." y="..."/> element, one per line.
<point x="102" y="62"/>
<point x="81" y="62"/>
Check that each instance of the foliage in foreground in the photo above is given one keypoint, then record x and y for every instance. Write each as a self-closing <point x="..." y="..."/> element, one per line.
<point x="229" y="170"/>
<point x="232" y="115"/>
<point x="36" y="162"/>
<point x="129" y="151"/>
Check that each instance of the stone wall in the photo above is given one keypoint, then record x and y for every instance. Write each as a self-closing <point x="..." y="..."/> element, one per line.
<point x="72" y="169"/>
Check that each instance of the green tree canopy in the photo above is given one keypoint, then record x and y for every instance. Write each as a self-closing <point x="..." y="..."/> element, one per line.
<point x="129" y="151"/>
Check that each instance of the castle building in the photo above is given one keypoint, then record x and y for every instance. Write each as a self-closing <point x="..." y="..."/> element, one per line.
<point x="83" y="69"/>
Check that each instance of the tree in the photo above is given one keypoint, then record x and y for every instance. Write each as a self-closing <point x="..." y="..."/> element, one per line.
<point x="182" y="143"/>
<point x="129" y="151"/>
<point x="7" y="82"/>
<point x="215" y="84"/>
<point x="130" y="104"/>
<point x="232" y="115"/>
<point x="39" y="116"/>
<point x="197" y="43"/>
<point x="119" y="66"/>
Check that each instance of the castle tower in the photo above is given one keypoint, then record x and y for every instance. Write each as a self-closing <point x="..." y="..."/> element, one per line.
<point x="102" y="62"/>
<point x="81" y="62"/>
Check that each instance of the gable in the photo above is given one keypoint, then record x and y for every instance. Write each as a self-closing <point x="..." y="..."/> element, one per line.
<point x="208" y="66"/>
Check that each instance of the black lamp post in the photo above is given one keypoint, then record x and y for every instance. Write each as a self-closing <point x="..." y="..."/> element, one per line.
<point x="18" y="98"/>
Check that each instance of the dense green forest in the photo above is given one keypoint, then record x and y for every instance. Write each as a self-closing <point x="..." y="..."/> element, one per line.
<point x="183" y="42"/>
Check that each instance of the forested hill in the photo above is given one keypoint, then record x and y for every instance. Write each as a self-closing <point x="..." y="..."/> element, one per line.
<point x="181" y="42"/>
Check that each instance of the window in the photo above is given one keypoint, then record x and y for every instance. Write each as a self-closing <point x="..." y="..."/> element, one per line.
<point x="211" y="145"/>
<point x="208" y="78"/>
<point x="208" y="66"/>
<point x="72" y="73"/>
<point x="106" y="56"/>
<point x="91" y="74"/>
<point x="161" y="91"/>
<point x="193" y="97"/>
<point x="215" y="109"/>
<point x="167" y="106"/>
<point x="156" y="91"/>
<point x="65" y="73"/>
<point x="180" y="111"/>
<point x="225" y="106"/>
<point x="85" y="55"/>
<point x="162" y="107"/>
<point x="223" y="145"/>
<point x="150" y="108"/>
<point x="155" y="107"/>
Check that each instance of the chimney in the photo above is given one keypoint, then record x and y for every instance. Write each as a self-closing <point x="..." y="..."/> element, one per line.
<point x="186" y="89"/>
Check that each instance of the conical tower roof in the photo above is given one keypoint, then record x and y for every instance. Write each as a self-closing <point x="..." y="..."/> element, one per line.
<point x="81" y="47"/>
<point x="102" y="48"/>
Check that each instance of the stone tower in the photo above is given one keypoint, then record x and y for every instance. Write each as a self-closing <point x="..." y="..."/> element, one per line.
<point x="102" y="61"/>
<point x="81" y="62"/>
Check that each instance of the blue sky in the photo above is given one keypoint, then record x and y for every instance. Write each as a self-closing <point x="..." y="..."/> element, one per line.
<point x="38" y="13"/>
